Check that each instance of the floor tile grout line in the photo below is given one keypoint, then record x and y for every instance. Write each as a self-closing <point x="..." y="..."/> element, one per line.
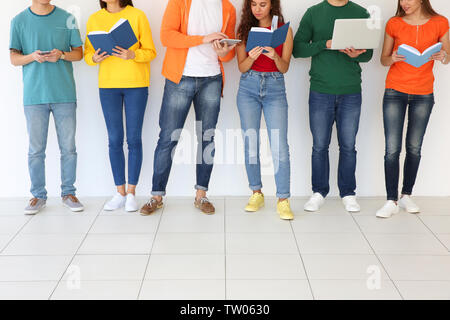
<point x="16" y="234"/>
<point x="150" y="253"/>
<point x="78" y="249"/>
<point x="433" y="233"/>
<point x="303" y="262"/>
<point x="378" y="258"/>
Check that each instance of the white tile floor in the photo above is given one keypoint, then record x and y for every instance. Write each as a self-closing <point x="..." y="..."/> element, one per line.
<point x="178" y="253"/>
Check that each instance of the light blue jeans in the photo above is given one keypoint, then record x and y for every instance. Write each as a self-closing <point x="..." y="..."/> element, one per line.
<point x="38" y="117"/>
<point x="265" y="92"/>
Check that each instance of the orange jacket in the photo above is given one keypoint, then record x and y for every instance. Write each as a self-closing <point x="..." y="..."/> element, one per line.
<point x="174" y="36"/>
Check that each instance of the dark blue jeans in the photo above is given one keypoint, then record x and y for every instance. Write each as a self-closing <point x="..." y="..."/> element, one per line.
<point x="324" y="111"/>
<point x="205" y="93"/>
<point x="395" y="104"/>
<point x="135" y="102"/>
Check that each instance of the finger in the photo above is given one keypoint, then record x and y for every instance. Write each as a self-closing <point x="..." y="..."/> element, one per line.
<point x="120" y="48"/>
<point x="222" y="35"/>
<point x="98" y="51"/>
<point x="117" y="50"/>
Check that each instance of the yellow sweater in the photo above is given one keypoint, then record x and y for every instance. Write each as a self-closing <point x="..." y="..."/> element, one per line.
<point x="115" y="72"/>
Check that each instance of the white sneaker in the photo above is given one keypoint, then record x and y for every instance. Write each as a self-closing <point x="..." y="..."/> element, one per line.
<point x="388" y="210"/>
<point x="117" y="202"/>
<point x="131" y="204"/>
<point x="408" y="204"/>
<point x="350" y="203"/>
<point x="314" y="203"/>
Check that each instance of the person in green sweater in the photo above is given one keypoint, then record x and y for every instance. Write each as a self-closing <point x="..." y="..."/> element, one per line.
<point x="335" y="96"/>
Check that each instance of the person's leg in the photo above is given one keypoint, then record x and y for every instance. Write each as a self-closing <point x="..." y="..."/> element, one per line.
<point x="175" y="107"/>
<point x="112" y="106"/>
<point x="207" y="108"/>
<point x="420" y="108"/>
<point x="37" y="117"/>
<point x="135" y="100"/>
<point x="250" y="110"/>
<point x="321" y="119"/>
<point x="348" y="113"/>
<point x="394" y="110"/>
<point x="64" y="115"/>
<point x="275" y="107"/>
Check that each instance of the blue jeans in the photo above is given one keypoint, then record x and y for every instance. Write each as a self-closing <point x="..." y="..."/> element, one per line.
<point x="395" y="105"/>
<point x="324" y="111"/>
<point x="205" y="93"/>
<point x="38" y="117"/>
<point x="265" y="92"/>
<point x="135" y="102"/>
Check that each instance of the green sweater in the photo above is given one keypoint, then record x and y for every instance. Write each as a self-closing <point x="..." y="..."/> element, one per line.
<point x="332" y="72"/>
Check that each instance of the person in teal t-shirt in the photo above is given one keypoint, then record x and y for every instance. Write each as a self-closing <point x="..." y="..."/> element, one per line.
<point x="44" y="41"/>
<point x="335" y="96"/>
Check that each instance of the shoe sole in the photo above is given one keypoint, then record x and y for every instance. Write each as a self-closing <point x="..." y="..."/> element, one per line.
<point x="262" y="206"/>
<point x="409" y="211"/>
<point x="73" y="209"/>
<point x="159" y="206"/>
<point x="207" y="213"/>
<point x="33" y="212"/>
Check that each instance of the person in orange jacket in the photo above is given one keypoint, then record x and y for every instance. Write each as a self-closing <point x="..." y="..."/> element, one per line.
<point x="191" y="30"/>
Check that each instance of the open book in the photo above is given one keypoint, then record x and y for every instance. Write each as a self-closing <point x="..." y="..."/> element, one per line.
<point x="414" y="57"/>
<point x="121" y="34"/>
<point x="263" y="37"/>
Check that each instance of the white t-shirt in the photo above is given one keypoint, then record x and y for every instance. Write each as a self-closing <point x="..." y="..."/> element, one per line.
<point x="205" y="17"/>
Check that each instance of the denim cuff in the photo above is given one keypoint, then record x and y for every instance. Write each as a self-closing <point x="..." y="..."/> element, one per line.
<point x="283" y="195"/>
<point x="197" y="187"/>
<point x="348" y="194"/>
<point x="158" y="193"/>
<point x="256" y="188"/>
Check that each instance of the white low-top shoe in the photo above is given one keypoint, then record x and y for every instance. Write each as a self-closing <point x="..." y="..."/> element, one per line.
<point x="117" y="202"/>
<point x="314" y="203"/>
<point x="388" y="210"/>
<point x="408" y="204"/>
<point x="131" y="204"/>
<point x="350" y="204"/>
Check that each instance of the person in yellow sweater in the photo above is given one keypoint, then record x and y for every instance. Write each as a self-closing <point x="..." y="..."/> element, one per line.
<point x="124" y="78"/>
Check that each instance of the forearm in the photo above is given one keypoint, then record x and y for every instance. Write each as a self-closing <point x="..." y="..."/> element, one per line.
<point x="246" y="65"/>
<point x="386" y="61"/>
<point x="365" y="57"/>
<point x="74" y="55"/>
<point x="19" y="59"/>
<point x="304" y="49"/>
<point x="145" y="55"/>
<point x="282" y="65"/>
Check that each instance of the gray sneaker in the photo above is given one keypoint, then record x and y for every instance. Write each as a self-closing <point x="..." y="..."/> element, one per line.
<point x="34" y="206"/>
<point x="72" y="203"/>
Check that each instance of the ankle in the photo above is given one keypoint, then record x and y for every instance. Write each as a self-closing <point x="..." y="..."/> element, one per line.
<point x="257" y="191"/>
<point x="157" y="198"/>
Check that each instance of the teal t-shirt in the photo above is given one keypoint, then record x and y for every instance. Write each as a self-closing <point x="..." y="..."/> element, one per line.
<point x="46" y="82"/>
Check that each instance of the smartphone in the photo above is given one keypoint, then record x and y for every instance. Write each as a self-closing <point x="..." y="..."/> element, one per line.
<point x="43" y="53"/>
<point x="230" y="41"/>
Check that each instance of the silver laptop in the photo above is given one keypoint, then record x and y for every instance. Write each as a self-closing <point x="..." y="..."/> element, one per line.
<point x="357" y="33"/>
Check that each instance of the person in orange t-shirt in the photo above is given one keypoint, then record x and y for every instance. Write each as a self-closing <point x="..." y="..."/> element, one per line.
<point x="409" y="89"/>
<point x="191" y="31"/>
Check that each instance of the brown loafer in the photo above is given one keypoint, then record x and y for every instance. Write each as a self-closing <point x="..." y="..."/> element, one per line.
<point x="150" y="207"/>
<point x="205" y="206"/>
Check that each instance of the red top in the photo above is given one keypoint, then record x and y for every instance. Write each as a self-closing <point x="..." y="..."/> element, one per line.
<point x="264" y="63"/>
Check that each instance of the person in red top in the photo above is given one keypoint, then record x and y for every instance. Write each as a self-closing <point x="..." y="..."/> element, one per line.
<point x="409" y="89"/>
<point x="262" y="89"/>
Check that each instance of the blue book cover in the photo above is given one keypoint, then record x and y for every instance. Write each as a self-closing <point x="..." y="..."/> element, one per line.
<point x="262" y="37"/>
<point x="414" y="57"/>
<point x="121" y="34"/>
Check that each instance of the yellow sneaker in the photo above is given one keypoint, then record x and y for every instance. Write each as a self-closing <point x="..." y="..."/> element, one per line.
<point x="284" y="210"/>
<point x="255" y="203"/>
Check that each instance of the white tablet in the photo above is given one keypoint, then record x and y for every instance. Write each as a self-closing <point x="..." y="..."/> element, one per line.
<point x="356" y="33"/>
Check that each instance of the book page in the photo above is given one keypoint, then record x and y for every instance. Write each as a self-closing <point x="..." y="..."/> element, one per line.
<point x="118" y="24"/>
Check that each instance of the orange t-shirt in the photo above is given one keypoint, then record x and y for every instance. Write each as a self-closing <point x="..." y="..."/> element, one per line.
<point x="402" y="76"/>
